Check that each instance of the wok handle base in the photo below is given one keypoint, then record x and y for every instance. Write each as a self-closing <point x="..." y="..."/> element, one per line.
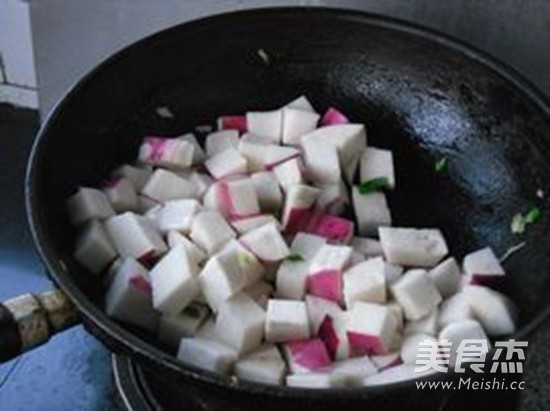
<point x="29" y="320"/>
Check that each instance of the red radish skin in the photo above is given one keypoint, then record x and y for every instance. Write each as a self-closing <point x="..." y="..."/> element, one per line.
<point x="141" y="284"/>
<point x="362" y="344"/>
<point x="487" y="280"/>
<point x="333" y="116"/>
<point x="297" y="219"/>
<point x="156" y="148"/>
<point x="326" y="284"/>
<point x="310" y="354"/>
<point x="328" y="335"/>
<point x="232" y="123"/>
<point x="334" y="229"/>
<point x="148" y="259"/>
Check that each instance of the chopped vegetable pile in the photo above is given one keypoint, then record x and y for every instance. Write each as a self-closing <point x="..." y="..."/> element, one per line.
<point x="238" y="253"/>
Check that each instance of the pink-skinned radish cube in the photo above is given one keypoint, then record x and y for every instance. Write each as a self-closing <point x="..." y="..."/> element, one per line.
<point x="267" y="124"/>
<point x="173" y="327"/>
<point x="175" y="238"/>
<point x="428" y="325"/>
<point x="336" y="230"/>
<point x="135" y="236"/>
<point x="244" y="225"/>
<point x="111" y="271"/>
<point x="226" y="163"/>
<point x="413" y="247"/>
<point x="240" y="323"/>
<point x="318" y="309"/>
<point x="456" y="332"/>
<point x="177" y="215"/>
<point x="311" y="380"/>
<point x="207" y="355"/>
<point x="265" y="366"/>
<point x="174" y="281"/>
<point x="350" y="373"/>
<point x="321" y="161"/>
<point x="247" y="262"/>
<point x="270" y="196"/>
<point x="377" y="163"/>
<point x="325" y="272"/>
<point x="446" y="276"/>
<point x="494" y="311"/>
<point x="289" y="173"/>
<point x="221" y="140"/>
<point x="453" y="309"/>
<point x="210" y="231"/>
<point x="297" y="208"/>
<point x="286" y="320"/>
<point x="385" y="361"/>
<point x="232" y="123"/>
<point x="94" y="248"/>
<point x="371" y="329"/>
<point x="164" y="185"/>
<point x="266" y="242"/>
<point x="333" y="117"/>
<point x="412" y="344"/>
<point x="398" y="373"/>
<point x="333" y="332"/>
<point x="333" y="198"/>
<point x="138" y="176"/>
<point x="367" y="246"/>
<point x="128" y="298"/>
<point x="88" y="204"/>
<point x="305" y="356"/>
<point x="365" y="281"/>
<point x="172" y="153"/>
<point x="296" y="123"/>
<point x="482" y="267"/>
<point x="235" y="199"/>
<point x="260" y="291"/>
<point x="198" y="153"/>
<point x="371" y="211"/>
<point x="416" y="293"/>
<point x="301" y="103"/>
<point x="122" y="195"/>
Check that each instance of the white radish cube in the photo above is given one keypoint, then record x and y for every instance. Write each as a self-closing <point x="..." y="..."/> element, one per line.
<point x="493" y="310"/>
<point x="88" y="204"/>
<point x="232" y="123"/>
<point x="371" y="329"/>
<point x="254" y="139"/>
<point x="260" y="292"/>
<point x="386" y="361"/>
<point x="153" y="214"/>
<point x="416" y="293"/>
<point x="135" y="236"/>
<point x="397" y="313"/>
<point x="356" y="258"/>
<point x="333" y="198"/>
<point x="398" y="373"/>
<point x="411" y="346"/>
<point x="297" y="207"/>
<point x="274" y="155"/>
<point x="336" y="230"/>
<point x="208" y="330"/>
<point x="226" y="163"/>
<point x="301" y="103"/>
<point x="111" y="271"/>
<point x="317" y="309"/>
<point x="367" y="246"/>
<point x="129" y="296"/>
<point x="321" y="161"/>
<point x="377" y="163"/>
<point x="94" y="248"/>
<point x="174" y="281"/>
<point x="453" y="309"/>
<point x="371" y="211"/>
<point x="286" y="321"/>
<point x="413" y="247"/>
<point x="296" y="123"/>
<point x="145" y="203"/>
<point x="253" y="151"/>
<point x="138" y="176"/>
<point x="289" y="173"/>
<point x="172" y="153"/>
<point x="210" y="231"/>
<point x="240" y="323"/>
<point x="174" y="327"/>
<point x="325" y="272"/>
<point x="266" y="242"/>
<point x="267" y="124"/>
<point x="313" y="380"/>
<point x="165" y="185"/>
<point x="333" y="332"/>
<point x="207" y="355"/>
<point x="393" y="273"/>
<point x="270" y="196"/>
<point x="247" y="262"/>
<point x="244" y="225"/>
<point x="365" y="282"/>
<point x="198" y="153"/>
<point x="427" y="325"/>
<point x="351" y="372"/>
<point x="196" y="255"/>
<point x="464" y="330"/>
<point x="221" y="140"/>
<point x="446" y="276"/>
<point x="177" y="215"/>
<point x="305" y="356"/>
<point x="122" y="195"/>
<point x="482" y="266"/>
<point x="265" y="366"/>
<point x="202" y="182"/>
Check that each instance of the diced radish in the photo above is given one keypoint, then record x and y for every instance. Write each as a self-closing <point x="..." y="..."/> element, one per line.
<point x="286" y="321"/>
<point x="297" y="207"/>
<point x="260" y="291"/>
<point x="165" y="185"/>
<point x="177" y="215"/>
<point x="198" y="153"/>
<point x="371" y="329"/>
<point x="111" y="271"/>
<point x="268" y="191"/>
<point x="145" y="203"/>
<point x="240" y="323"/>
<point x="210" y="231"/>
<point x="351" y="372"/>
<point x="321" y="160"/>
<point x="266" y="242"/>
<point x="456" y="332"/>
<point x="153" y="214"/>
<point x="275" y="155"/>
<point x="333" y="332"/>
<point x="333" y="116"/>
<point x="446" y="277"/>
<point x="247" y="262"/>
<point x="122" y="195"/>
<point x="411" y="345"/>
<point x="413" y="247"/>
<point x="264" y="366"/>
<point x="94" y="248"/>
<point x="312" y="380"/>
<point x="207" y="355"/>
<point x="244" y="225"/>
<point x="336" y="230"/>
<point x="305" y="356"/>
<point x="377" y="163"/>
<point x="226" y="163"/>
<point x="416" y="293"/>
<point x="397" y="312"/>
<point x="135" y="236"/>
<point x="367" y="246"/>
<point x="196" y="255"/>
<point x="289" y="173"/>
<point x="296" y="123"/>
<point x="492" y="309"/>
<point x="232" y="123"/>
<point x="253" y="151"/>
<point x="333" y="198"/>
<point x="398" y="373"/>
<point x="371" y="211"/>
<point x="221" y="140"/>
<point x="393" y="273"/>
<point x="325" y="272"/>
<point x="208" y="330"/>
<point x="235" y="199"/>
<point x="138" y="176"/>
<point x="482" y="266"/>
<point x="174" y="327"/>
<point x="88" y="204"/>
<point x="174" y="281"/>
<point x="453" y="309"/>
<point x="202" y="182"/>
<point x="267" y="124"/>
<point x="427" y="325"/>
<point x="317" y="309"/>
<point x="385" y="361"/>
<point x="356" y="258"/>
<point x="129" y="296"/>
<point x="365" y="282"/>
<point x="301" y="103"/>
<point x="172" y="153"/>
<point x="254" y="139"/>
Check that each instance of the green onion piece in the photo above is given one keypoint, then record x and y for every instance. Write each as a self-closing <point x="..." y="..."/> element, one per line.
<point x="518" y="224"/>
<point x="533" y="215"/>
<point x="295" y="257"/>
<point x="440" y="165"/>
<point x="376" y="184"/>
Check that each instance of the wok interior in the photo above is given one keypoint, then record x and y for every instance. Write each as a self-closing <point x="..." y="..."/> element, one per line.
<point x="417" y="97"/>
